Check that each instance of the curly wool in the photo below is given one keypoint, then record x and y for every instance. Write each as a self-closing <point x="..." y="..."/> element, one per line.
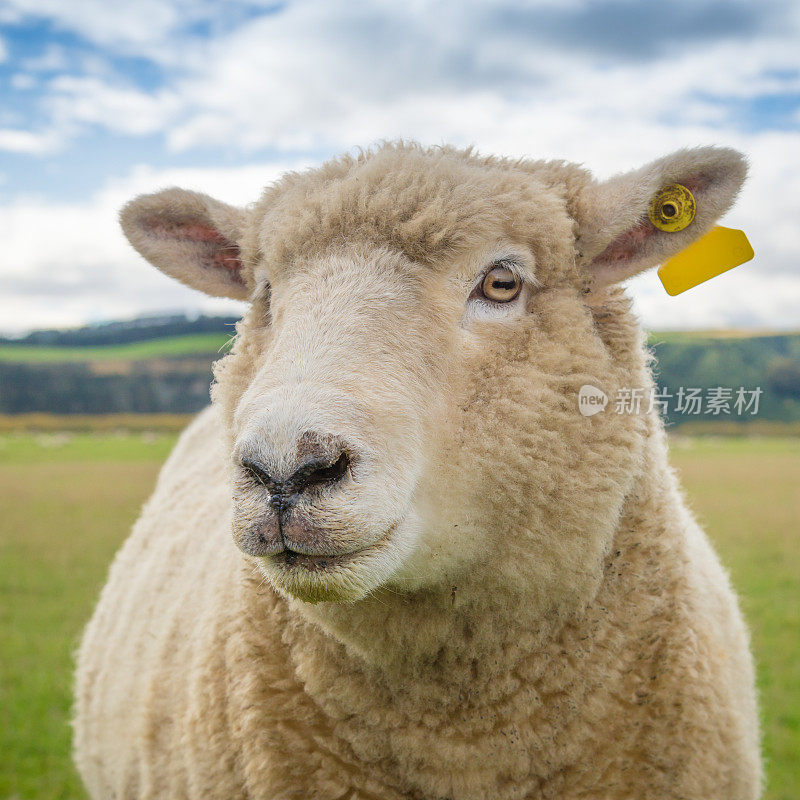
<point x="562" y="630"/>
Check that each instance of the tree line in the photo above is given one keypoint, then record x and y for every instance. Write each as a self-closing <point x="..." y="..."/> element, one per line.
<point x="716" y="367"/>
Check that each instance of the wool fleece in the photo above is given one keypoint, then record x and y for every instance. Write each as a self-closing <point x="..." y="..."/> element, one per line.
<point x="393" y="560"/>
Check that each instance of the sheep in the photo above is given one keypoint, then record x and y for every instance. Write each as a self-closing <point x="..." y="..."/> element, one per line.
<point x="392" y="559"/>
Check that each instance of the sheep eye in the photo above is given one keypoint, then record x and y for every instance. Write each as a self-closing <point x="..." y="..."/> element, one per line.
<point x="501" y="285"/>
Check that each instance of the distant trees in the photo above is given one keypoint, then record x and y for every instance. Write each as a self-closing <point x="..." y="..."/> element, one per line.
<point x="82" y="388"/>
<point x="783" y="378"/>
<point x="141" y="329"/>
<point x="769" y="362"/>
<point x="180" y="384"/>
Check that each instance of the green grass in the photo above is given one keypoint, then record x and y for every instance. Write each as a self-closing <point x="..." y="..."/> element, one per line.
<point x="64" y="509"/>
<point x="75" y="448"/>
<point x="747" y="494"/>
<point x="66" y="503"/>
<point x="212" y="343"/>
<point x="190" y="344"/>
<point x="709" y="449"/>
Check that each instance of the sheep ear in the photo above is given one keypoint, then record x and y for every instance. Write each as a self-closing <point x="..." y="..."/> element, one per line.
<point x="190" y="237"/>
<point x="616" y="238"/>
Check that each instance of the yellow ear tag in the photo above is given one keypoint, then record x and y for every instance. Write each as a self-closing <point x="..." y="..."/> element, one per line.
<point x="672" y="208"/>
<point x="718" y="251"/>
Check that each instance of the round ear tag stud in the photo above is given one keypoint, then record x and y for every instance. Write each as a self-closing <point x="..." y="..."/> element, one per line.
<point x="672" y="208"/>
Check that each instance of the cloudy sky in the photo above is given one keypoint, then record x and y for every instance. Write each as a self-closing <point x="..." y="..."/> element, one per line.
<point x="101" y="100"/>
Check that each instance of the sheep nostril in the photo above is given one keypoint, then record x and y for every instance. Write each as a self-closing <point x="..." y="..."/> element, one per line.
<point x="258" y="471"/>
<point x="314" y="473"/>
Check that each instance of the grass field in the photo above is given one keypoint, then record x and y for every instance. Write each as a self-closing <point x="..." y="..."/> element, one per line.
<point x="190" y="344"/>
<point x="67" y="501"/>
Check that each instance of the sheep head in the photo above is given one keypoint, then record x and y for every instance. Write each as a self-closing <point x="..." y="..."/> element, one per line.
<point x="401" y="401"/>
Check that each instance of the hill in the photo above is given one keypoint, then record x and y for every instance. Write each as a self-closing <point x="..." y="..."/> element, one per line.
<point x="139" y="329"/>
<point x="163" y="365"/>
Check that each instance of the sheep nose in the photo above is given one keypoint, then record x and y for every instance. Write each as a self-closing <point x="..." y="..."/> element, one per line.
<point x="317" y="470"/>
<point x="290" y="475"/>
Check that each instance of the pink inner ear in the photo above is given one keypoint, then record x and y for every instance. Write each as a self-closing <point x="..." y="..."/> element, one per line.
<point x="221" y="252"/>
<point x="626" y="245"/>
<point x="227" y="258"/>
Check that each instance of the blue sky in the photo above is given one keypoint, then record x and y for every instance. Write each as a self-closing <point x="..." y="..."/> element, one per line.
<point x="99" y="101"/>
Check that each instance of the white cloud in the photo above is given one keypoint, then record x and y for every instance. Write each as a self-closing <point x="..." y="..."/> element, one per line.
<point x="316" y="74"/>
<point x="29" y="142"/>
<point x="65" y="263"/>
<point x="23" y="81"/>
<point x="146" y="28"/>
<point x="330" y="74"/>
<point x="596" y="86"/>
<point x="52" y="59"/>
<point x="89" y="100"/>
<point x="745" y="297"/>
<point x="111" y="24"/>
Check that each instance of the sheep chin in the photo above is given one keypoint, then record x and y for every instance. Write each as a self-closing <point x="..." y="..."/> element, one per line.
<point x="344" y="579"/>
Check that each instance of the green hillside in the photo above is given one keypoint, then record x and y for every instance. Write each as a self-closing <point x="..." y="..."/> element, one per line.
<point x="128" y="368"/>
<point x="190" y="344"/>
<point x="769" y="362"/>
<point x="202" y="343"/>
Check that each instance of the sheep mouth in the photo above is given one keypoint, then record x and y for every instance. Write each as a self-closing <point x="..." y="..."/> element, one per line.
<point x="292" y="559"/>
<point x="289" y="560"/>
<point x="336" y="578"/>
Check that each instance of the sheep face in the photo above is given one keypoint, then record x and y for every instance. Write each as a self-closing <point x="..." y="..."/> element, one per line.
<point x="401" y="402"/>
<point x="332" y="420"/>
<point x="455" y="416"/>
